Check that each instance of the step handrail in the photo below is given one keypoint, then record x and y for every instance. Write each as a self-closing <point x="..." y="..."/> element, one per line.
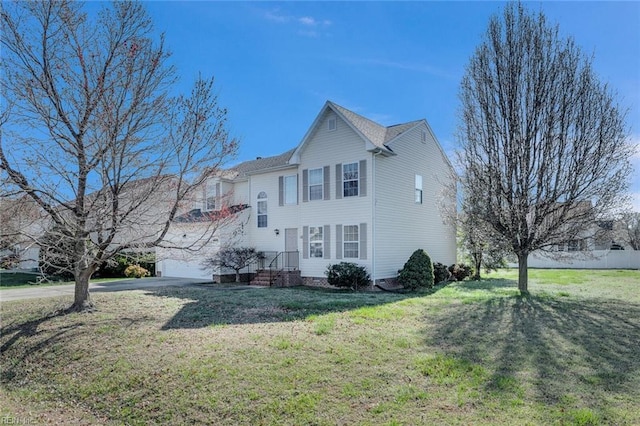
<point x="288" y="260"/>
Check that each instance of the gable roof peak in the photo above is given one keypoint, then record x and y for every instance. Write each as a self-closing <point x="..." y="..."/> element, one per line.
<point x="374" y="132"/>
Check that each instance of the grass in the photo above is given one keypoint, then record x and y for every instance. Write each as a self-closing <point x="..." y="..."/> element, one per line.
<point x="473" y="352"/>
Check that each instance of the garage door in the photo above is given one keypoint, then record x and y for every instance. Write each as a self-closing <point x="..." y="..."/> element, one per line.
<point x="183" y="269"/>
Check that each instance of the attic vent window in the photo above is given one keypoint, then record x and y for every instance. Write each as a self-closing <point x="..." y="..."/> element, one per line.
<point x="424" y="136"/>
<point x="332" y="123"/>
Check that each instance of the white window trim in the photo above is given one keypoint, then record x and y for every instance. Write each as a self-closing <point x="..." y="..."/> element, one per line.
<point x="293" y="178"/>
<point x="332" y="124"/>
<point x="321" y="184"/>
<point x="345" y="241"/>
<point x="209" y="193"/>
<point x="357" y="179"/>
<point x="320" y="242"/>
<point x="265" y="214"/>
<point x="418" y="197"/>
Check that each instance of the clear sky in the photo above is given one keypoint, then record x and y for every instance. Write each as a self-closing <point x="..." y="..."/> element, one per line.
<point x="276" y="64"/>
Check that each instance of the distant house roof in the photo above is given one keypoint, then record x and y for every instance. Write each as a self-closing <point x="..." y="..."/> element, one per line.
<point x="197" y="215"/>
<point x="260" y="163"/>
<point x="377" y="134"/>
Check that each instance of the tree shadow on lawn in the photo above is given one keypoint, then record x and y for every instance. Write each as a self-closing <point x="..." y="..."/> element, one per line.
<point x="39" y="340"/>
<point x="560" y="346"/>
<point x="486" y="284"/>
<point x="207" y="307"/>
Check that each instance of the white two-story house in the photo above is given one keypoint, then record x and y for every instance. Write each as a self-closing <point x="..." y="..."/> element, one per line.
<point x="352" y="190"/>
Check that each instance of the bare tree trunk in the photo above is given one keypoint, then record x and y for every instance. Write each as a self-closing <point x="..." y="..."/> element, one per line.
<point x="523" y="277"/>
<point x="81" y="300"/>
<point x="477" y="258"/>
<point x="237" y="275"/>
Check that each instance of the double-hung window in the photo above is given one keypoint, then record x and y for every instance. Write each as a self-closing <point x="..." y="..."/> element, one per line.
<point x="210" y="196"/>
<point x="350" y="181"/>
<point x="316" y="182"/>
<point x="316" y="241"/>
<point x="351" y="241"/>
<point x="418" y="185"/>
<point x="291" y="189"/>
<point x="262" y="210"/>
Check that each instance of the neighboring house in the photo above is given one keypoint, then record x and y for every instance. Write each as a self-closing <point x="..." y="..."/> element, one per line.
<point x="603" y="247"/>
<point x="20" y="220"/>
<point x="352" y="190"/>
<point x="141" y="215"/>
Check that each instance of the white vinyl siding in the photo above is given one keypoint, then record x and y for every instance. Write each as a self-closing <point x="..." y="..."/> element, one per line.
<point x="329" y="150"/>
<point x="420" y="226"/>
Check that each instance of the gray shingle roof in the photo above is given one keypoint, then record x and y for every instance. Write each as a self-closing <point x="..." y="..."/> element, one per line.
<point x="378" y="134"/>
<point x="397" y="129"/>
<point x="250" y="166"/>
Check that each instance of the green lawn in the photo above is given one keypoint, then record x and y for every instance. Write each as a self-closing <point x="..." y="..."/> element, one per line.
<point x="467" y="353"/>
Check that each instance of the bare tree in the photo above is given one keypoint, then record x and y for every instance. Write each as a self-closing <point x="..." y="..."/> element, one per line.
<point x="630" y="229"/>
<point x="542" y="138"/>
<point x="476" y="239"/>
<point x="93" y="135"/>
<point x="486" y="249"/>
<point x="235" y="258"/>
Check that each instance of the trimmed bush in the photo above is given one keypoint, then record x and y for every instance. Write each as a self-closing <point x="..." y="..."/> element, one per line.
<point x="115" y="267"/>
<point x="417" y="271"/>
<point x="441" y="272"/>
<point x="135" y="271"/>
<point x="9" y="261"/>
<point x="347" y="274"/>
<point x="460" y="271"/>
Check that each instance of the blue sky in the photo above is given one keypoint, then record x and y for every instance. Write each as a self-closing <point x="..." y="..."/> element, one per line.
<point x="276" y="63"/>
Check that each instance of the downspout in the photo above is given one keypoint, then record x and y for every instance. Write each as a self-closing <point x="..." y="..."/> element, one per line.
<point x="373" y="216"/>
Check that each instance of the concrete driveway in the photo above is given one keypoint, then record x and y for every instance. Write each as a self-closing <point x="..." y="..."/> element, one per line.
<point x="67" y="290"/>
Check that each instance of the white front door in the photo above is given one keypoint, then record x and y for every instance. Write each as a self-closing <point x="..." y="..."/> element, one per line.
<point x="291" y="248"/>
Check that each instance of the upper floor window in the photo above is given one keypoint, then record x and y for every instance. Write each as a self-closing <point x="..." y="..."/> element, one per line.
<point x="331" y="123"/>
<point x="291" y="189"/>
<point x="576" y="245"/>
<point x="350" y="180"/>
<point x="262" y="210"/>
<point x="418" y="189"/>
<point x="316" y="181"/>
<point x="210" y="195"/>
<point x="316" y="241"/>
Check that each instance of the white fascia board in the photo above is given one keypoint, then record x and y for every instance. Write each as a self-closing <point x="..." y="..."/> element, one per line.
<point x="272" y="169"/>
